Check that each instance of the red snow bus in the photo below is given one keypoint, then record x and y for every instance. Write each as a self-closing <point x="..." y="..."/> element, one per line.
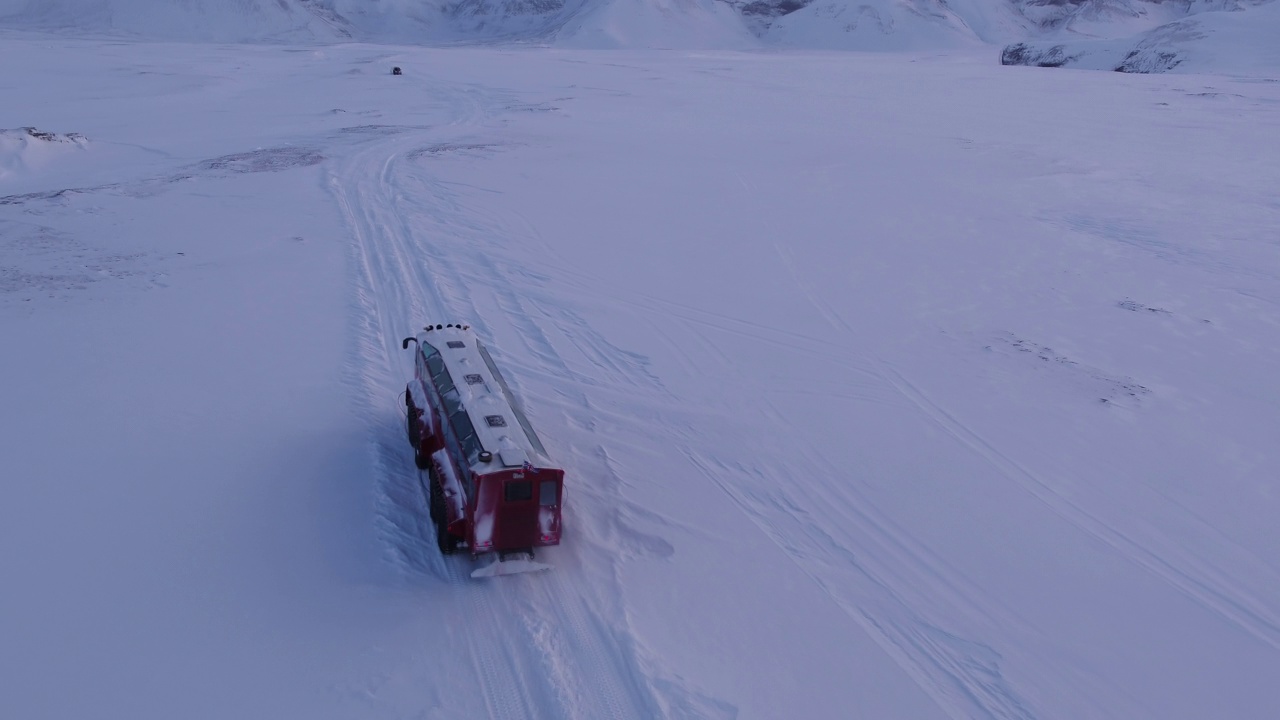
<point x="492" y="488"/>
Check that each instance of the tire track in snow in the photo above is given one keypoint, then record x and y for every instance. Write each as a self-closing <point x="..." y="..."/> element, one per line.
<point x="1204" y="585"/>
<point x="600" y="679"/>
<point x="958" y="670"/>
<point x="1199" y="582"/>
<point x="382" y="285"/>
<point x="589" y="670"/>
<point x="962" y="675"/>
<point x="600" y="686"/>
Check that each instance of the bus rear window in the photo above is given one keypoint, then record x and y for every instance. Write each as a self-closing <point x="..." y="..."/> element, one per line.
<point x="519" y="491"/>
<point x="547" y="493"/>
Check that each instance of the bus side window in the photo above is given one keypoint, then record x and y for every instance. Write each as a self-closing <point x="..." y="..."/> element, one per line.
<point x="435" y="365"/>
<point x="547" y="493"/>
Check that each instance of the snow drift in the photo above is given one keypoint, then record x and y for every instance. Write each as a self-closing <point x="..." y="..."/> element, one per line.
<point x="28" y="149"/>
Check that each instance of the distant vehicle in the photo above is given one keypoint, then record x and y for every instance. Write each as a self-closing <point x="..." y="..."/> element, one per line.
<point x="492" y="488"/>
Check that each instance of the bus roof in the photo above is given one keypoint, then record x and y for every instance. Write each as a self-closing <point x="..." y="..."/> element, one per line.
<point x="500" y="424"/>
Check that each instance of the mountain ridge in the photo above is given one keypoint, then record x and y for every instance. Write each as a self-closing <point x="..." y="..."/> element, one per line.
<point x="1035" y="27"/>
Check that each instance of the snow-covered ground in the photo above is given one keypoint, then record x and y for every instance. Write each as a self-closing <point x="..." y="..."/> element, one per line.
<point x="901" y="386"/>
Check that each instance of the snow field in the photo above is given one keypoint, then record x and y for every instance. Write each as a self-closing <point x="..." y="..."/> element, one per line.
<point x="887" y="386"/>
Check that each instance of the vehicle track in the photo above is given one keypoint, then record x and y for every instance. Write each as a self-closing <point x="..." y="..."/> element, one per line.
<point x="1204" y="584"/>
<point x="456" y="268"/>
<point x="419" y="253"/>
<point x="957" y="670"/>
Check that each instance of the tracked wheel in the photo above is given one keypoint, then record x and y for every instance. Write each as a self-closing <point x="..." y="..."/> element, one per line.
<point x="448" y="544"/>
<point x="413" y="431"/>
<point x="436" y="502"/>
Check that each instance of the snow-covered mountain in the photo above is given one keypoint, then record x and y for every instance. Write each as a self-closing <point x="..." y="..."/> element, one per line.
<point x="203" y="20"/>
<point x="831" y="24"/>
<point x="1243" y="41"/>
<point x="1138" y="35"/>
<point x="592" y="23"/>
<point x="871" y="25"/>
